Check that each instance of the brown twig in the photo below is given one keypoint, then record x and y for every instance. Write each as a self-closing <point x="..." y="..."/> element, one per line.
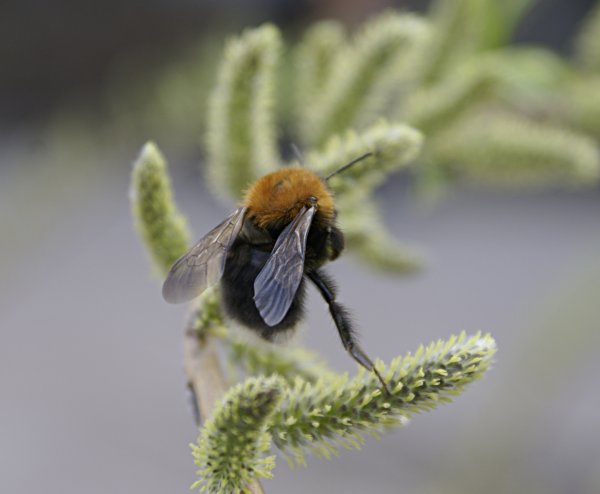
<point x="205" y="376"/>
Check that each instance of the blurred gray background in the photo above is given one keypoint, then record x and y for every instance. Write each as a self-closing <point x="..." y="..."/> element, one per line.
<point x="92" y="387"/>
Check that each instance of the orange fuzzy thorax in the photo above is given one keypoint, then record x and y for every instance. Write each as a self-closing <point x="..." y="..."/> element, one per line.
<point x="280" y="195"/>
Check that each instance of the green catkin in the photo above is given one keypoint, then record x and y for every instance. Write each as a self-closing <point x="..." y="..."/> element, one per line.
<point x="359" y="72"/>
<point x="314" y="59"/>
<point x="393" y="146"/>
<point x="587" y="43"/>
<point x="322" y="416"/>
<point x="161" y="226"/>
<point x="231" y="449"/>
<point x="241" y="138"/>
<point x="508" y="150"/>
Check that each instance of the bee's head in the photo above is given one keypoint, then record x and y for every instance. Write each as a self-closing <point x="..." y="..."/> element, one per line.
<point x="279" y="196"/>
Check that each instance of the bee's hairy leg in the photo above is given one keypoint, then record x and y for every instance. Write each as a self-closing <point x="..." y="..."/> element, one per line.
<point x="343" y="323"/>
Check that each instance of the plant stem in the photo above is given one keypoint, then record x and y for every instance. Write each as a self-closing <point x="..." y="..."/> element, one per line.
<point x="205" y="376"/>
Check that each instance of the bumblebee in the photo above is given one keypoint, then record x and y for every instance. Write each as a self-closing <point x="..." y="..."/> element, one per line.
<point x="265" y="252"/>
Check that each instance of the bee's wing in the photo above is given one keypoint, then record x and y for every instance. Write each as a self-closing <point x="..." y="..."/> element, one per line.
<point x="277" y="283"/>
<point x="203" y="265"/>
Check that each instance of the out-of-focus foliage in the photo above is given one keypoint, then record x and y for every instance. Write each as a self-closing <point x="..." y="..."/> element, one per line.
<point x="241" y="139"/>
<point x="363" y="77"/>
<point x="587" y="46"/>
<point x="159" y="223"/>
<point x="427" y="71"/>
<point x="490" y="112"/>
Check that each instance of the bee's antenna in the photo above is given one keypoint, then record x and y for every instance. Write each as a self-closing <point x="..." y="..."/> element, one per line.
<point x="345" y="167"/>
<point x="297" y="153"/>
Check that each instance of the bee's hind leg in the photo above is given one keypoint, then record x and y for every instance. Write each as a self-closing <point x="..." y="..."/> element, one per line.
<point x="342" y="320"/>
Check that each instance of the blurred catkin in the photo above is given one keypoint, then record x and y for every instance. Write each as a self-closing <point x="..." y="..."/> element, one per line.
<point x="587" y="43"/>
<point x="241" y="135"/>
<point x="314" y="59"/>
<point x="508" y="150"/>
<point x="360" y="74"/>
<point x="162" y="228"/>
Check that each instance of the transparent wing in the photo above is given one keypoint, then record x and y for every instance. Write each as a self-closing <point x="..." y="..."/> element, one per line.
<point x="277" y="283"/>
<point x="203" y="265"/>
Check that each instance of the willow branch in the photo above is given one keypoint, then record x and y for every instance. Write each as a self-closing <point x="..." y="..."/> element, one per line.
<point x="203" y="370"/>
<point x="205" y="376"/>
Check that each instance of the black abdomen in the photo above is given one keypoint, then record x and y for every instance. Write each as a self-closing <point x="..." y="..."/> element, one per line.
<point x="243" y="264"/>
